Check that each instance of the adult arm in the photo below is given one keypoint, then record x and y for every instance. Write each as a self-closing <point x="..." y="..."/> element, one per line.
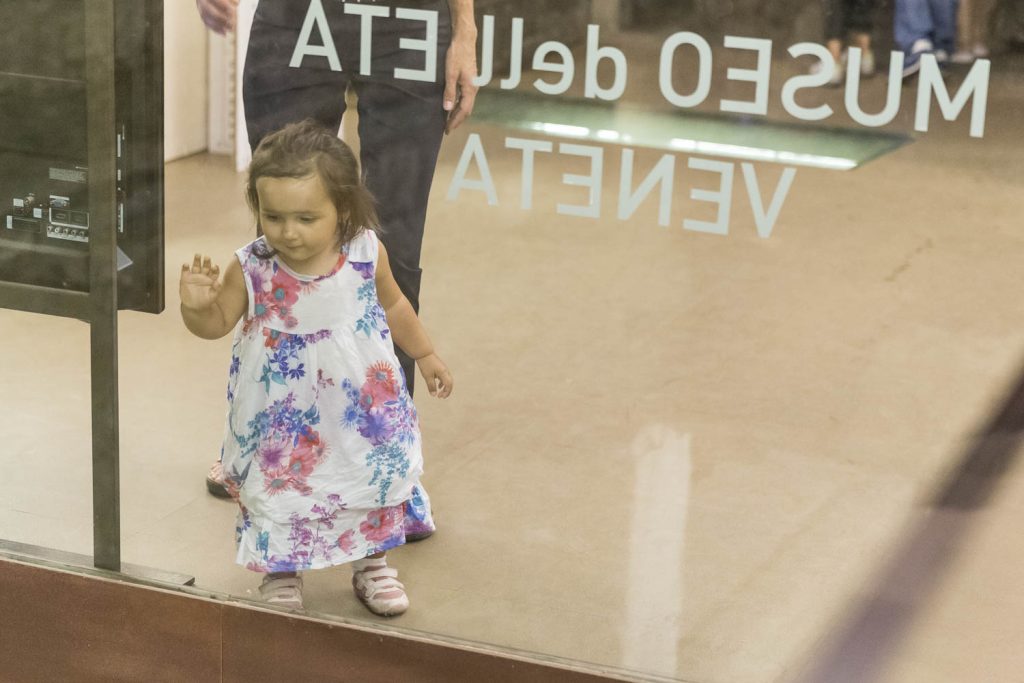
<point x="218" y="15"/>
<point x="407" y="330"/>
<point x="211" y="308"/>
<point x="460" y="65"/>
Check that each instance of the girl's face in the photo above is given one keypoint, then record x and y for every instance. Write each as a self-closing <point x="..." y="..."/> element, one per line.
<point x="300" y="222"/>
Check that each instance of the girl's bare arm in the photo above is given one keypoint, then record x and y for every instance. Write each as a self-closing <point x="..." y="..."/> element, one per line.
<point x="407" y="330"/>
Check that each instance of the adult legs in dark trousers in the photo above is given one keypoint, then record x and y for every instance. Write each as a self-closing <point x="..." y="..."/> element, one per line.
<point x="924" y="27"/>
<point x="851" y="20"/>
<point x="401" y="124"/>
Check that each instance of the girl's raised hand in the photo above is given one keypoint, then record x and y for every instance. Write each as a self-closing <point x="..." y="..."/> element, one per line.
<point x="436" y="373"/>
<point x="200" y="283"/>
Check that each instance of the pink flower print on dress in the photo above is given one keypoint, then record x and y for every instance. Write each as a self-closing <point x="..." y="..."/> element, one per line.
<point x="272" y="338"/>
<point x="380" y="384"/>
<point x="381" y="524"/>
<point x="280" y="480"/>
<point x="306" y="456"/>
<point x="284" y="293"/>
<point x="346" y="542"/>
<point x="284" y="290"/>
<point x="263" y="309"/>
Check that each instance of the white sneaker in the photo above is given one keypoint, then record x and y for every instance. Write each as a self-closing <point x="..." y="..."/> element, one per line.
<point x="837" y="75"/>
<point x="912" y="62"/>
<point x="921" y="45"/>
<point x="962" y="57"/>
<point x="867" y="62"/>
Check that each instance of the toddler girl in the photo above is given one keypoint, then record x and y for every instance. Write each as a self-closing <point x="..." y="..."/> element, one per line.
<point x="322" y="444"/>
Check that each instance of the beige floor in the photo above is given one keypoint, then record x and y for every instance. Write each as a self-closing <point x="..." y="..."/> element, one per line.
<point x="668" y="452"/>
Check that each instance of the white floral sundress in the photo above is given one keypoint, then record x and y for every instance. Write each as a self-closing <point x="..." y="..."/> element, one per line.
<point x="322" y="443"/>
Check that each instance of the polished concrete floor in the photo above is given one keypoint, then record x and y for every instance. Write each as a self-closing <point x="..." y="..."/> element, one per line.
<point x="669" y="452"/>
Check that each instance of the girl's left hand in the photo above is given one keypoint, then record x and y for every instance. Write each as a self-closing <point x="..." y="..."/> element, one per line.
<point x="436" y="373"/>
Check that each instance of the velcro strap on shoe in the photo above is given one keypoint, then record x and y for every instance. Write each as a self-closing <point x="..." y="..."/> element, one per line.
<point x="274" y="587"/>
<point x="381" y="573"/>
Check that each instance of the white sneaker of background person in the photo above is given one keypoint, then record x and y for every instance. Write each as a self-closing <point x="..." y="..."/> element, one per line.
<point x="867" y="63"/>
<point x="838" y="74"/>
<point x="965" y="56"/>
<point x="912" y="64"/>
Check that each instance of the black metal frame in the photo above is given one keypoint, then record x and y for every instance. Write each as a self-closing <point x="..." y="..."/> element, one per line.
<point x="101" y="107"/>
<point x="99" y="306"/>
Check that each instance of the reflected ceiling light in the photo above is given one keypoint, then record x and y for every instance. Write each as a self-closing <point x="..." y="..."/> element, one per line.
<point x="760" y="154"/>
<point x="563" y="129"/>
<point x="700" y="147"/>
<point x="818" y="161"/>
<point x="683" y="145"/>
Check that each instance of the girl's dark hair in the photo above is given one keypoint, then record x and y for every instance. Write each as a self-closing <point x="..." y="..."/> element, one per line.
<point x="301" y="149"/>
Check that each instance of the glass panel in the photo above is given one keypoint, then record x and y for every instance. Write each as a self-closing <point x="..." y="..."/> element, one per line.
<point x="732" y="347"/>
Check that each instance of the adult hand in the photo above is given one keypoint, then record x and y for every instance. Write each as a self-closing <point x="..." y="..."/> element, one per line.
<point x="459" y="91"/>
<point x="218" y="15"/>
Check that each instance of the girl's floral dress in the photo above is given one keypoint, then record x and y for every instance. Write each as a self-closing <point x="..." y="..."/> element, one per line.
<point x="322" y="444"/>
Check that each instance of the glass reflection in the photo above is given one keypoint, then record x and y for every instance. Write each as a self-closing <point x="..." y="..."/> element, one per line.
<point x="825" y="348"/>
<point x="652" y="625"/>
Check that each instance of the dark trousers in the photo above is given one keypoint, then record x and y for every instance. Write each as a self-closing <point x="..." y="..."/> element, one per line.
<point x="845" y="16"/>
<point x="934" y="20"/>
<point x="401" y="122"/>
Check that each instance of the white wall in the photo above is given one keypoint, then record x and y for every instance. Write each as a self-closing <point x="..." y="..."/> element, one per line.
<point x="185" y="78"/>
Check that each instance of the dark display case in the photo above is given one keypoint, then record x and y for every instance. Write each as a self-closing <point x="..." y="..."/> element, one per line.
<point x="45" y="213"/>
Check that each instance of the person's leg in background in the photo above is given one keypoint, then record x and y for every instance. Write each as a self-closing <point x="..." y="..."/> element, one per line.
<point x="964" y="16"/>
<point x="861" y="22"/>
<point x="834" y="14"/>
<point x="981" y="19"/>
<point x="944" y="27"/>
<point x="401" y="126"/>
<point x="275" y="94"/>
<point x="399" y="144"/>
<point x="973" y="20"/>
<point x="912" y="32"/>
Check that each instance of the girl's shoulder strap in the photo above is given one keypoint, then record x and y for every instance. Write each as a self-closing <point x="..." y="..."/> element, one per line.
<point x="363" y="248"/>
